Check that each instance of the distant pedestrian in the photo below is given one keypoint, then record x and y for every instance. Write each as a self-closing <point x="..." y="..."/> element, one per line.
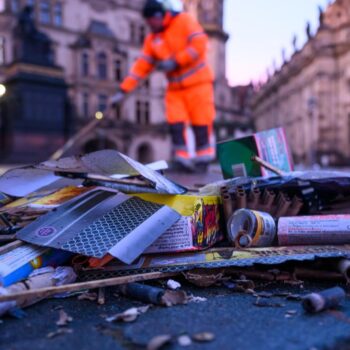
<point x="177" y="45"/>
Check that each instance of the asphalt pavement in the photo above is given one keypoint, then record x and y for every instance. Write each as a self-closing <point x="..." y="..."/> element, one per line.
<point x="233" y="318"/>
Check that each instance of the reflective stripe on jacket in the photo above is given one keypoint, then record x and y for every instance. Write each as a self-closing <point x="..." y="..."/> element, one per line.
<point x="183" y="40"/>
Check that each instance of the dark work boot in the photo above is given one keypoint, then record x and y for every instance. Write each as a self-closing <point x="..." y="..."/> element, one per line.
<point x="205" y="153"/>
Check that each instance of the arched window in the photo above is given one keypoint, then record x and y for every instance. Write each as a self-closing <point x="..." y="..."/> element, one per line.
<point x="145" y="153"/>
<point x="85" y="64"/>
<point x="102" y="66"/>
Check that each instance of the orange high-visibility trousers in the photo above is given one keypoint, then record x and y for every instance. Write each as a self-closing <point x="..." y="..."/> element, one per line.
<point x="192" y="106"/>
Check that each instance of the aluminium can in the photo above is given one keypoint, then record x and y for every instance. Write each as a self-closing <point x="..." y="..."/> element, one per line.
<point x="251" y="228"/>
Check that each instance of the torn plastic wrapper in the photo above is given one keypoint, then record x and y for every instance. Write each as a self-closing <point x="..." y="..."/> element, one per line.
<point x="102" y="222"/>
<point x="40" y="278"/>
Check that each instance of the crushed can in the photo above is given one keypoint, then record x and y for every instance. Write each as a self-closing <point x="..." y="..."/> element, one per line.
<point x="251" y="228"/>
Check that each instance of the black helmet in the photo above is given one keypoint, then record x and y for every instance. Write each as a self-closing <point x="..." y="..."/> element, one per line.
<point x="152" y="7"/>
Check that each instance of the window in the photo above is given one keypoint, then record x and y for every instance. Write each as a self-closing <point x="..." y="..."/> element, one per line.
<point x="15" y="6"/>
<point x="102" y="103"/>
<point x="139" y="112"/>
<point x="2" y="51"/>
<point x="118" y="70"/>
<point x="142" y="112"/>
<point x="146" y="112"/>
<point x="324" y="133"/>
<point x="85" y="64"/>
<point x="85" y="106"/>
<point x="137" y="33"/>
<point x="147" y="83"/>
<point x="118" y="112"/>
<point x="142" y="34"/>
<point x="222" y="99"/>
<point x="44" y="14"/>
<point x="57" y="14"/>
<point x="132" y="32"/>
<point x="102" y="66"/>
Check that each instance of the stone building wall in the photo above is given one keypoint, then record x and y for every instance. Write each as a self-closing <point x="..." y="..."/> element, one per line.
<point x="310" y="94"/>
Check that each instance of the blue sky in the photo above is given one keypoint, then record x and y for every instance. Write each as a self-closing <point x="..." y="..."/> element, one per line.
<point x="259" y="29"/>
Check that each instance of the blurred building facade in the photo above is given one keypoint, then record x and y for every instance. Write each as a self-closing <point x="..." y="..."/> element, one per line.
<point x="95" y="42"/>
<point x="310" y="94"/>
<point x="232" y="103"/>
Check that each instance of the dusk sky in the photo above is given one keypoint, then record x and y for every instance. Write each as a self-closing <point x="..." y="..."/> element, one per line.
<point x="259" y="29"/>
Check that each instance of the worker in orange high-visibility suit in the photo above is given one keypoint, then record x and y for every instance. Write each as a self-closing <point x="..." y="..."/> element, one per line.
<point x="177" y="45"/>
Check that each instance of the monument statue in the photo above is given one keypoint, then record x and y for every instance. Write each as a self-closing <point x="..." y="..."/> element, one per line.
<point x="283" y="55"/>
<point x="321" y="17"/>
<point x="294" y="43"/>
<point x="308" y="31"/>
<point x="31" y="45"/>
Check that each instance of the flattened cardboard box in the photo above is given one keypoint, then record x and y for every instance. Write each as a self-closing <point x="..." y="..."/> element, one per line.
<point x="100" y="222"/>
<point x="217" y="258"/>
<point x="270" y="145"/>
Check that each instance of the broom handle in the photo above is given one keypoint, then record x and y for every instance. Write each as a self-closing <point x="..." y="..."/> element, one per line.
<point x="88" y="127"/>
<point x="80" y="134"/>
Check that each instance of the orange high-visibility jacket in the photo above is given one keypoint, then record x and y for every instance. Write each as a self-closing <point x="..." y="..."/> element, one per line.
<point x="183" y="40"/>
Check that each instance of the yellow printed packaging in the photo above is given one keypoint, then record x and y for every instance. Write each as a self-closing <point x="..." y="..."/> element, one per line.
<point x="199" y="228"/>
<point x="46" y="199"/>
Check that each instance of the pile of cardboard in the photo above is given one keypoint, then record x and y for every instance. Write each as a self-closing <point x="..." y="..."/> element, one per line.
<point x="115" y="221"/>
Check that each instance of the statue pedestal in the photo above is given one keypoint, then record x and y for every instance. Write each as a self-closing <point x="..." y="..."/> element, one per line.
<point x="34" y="112"/>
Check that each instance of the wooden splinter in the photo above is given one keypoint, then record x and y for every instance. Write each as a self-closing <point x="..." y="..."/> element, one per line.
<point x="74" y="287"/>
<point x="267" y="165"/>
